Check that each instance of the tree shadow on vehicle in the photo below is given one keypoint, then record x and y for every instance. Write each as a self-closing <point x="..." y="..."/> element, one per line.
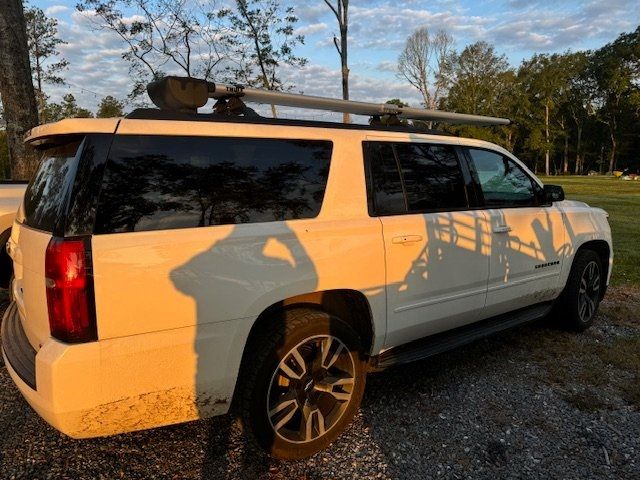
<point x="276" y="256"/>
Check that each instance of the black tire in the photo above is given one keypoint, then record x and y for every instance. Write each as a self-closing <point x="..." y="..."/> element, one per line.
<point x="263" y="383"/>
<point x="577" y="306"/>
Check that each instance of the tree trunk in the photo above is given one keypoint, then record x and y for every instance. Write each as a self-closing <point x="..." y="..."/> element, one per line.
<point x="612" y="159"/>
<point x="565" y="170"/>
<point x="578" y="169"/>
<point x="16" y="88"/>
<point x="546" y="136"/>
<point x="345" y="66"/>
<point x="344" y="52"/>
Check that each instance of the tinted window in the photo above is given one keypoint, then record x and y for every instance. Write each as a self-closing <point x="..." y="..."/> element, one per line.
<point x="386" y="196"/>
<point x="432" y="177"/>
<point x="46" y="196"/>
<point x="503" y="182"/>
<point x="413" y="178"/>
<point x="156" y="182"/>
<point x="84" y="196"/>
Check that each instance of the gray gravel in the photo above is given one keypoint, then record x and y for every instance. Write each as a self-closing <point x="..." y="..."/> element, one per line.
<point x="487" y="410"/>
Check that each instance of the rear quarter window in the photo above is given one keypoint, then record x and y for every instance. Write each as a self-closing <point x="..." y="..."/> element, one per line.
<point x="46" y="196"/>
<point x="158" y="182"/>
<point x="406" y="178"/>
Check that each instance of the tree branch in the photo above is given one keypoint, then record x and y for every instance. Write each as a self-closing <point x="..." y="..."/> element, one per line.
<point x="335" y="43"/>
<point x="335" y="12"/>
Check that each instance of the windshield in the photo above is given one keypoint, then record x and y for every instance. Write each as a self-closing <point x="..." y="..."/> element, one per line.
<point x="47" y="194"/>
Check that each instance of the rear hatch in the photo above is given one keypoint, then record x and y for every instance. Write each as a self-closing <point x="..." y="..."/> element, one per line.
<point x="41" y="216"/>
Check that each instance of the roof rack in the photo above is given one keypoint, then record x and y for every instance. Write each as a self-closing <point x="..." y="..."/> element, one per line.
<point x="188" y="94"/>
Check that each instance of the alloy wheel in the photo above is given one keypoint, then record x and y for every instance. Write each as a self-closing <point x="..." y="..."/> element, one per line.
<point x="589" y="291"/>
<point x="310" y="389"/>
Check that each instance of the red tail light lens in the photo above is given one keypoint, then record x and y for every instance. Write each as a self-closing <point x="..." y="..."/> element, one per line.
<point x="69" y="291"/>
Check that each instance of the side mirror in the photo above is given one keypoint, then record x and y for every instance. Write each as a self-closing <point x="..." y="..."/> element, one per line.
<point x="553" y="193"/>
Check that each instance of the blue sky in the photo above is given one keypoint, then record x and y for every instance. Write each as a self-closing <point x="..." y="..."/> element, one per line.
<point x="378" y="29"/>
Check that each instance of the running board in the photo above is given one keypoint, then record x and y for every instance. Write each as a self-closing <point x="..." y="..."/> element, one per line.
<point x="441" y="342"/>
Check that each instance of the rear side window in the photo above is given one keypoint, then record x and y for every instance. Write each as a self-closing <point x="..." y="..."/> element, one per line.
<point x="413" y="178"/>
<point x="160" y="182"/>
<point x="502" y="181"/>
<point x="386" y="194"/>
<point x="432" y="177"/>
<point x="46" y="196"/>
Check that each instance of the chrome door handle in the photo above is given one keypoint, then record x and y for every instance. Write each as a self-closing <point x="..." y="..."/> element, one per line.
<point x="502" y="229"/>
<point x="404" y="239"/>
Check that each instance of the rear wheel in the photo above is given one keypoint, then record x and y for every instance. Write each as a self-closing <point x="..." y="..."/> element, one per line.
<point x="303" y="384"/>
<point x="579" y="302"/>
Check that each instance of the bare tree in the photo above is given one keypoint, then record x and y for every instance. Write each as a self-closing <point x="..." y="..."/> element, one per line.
<point x="16" y="88"/>
<point x="341" y="11"/>
<point x="424" y="62"/>
<point x="167" y="36"/>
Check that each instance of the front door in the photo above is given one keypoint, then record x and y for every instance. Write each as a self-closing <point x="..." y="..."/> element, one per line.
<point x="436" y="248"/>
<point x="527" y="245"/>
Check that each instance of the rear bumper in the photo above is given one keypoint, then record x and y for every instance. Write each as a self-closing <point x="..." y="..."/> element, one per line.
<point x="20" y="360"/>
<point x="130" y="383"/>
<point x="19" y="353"/>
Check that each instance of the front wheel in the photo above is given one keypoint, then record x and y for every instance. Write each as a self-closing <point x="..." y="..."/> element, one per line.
<point x="304" y="384"/>
<point x="579" y="302"/>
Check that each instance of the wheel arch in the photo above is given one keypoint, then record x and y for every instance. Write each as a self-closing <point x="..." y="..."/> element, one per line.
<point x="603" y="250"/>
<point x="351" y="306"/>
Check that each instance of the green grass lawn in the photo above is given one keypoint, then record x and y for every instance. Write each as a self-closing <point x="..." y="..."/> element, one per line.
<point x="622" y="200"/>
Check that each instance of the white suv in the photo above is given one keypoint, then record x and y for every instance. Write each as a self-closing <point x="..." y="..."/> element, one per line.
<point x="170" y="264"/>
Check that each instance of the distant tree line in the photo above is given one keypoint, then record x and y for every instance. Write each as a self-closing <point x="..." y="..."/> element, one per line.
<point x="572" y="112"/>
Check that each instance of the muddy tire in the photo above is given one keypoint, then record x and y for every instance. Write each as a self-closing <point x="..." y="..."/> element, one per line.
<point x="577" y="307"/>
<point x="301" y="383"/>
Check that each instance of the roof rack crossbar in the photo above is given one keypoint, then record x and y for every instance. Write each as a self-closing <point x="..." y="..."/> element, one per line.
<point x="188" y="94"/>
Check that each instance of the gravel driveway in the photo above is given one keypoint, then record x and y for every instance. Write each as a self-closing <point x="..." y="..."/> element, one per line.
<point x="531" y="403"/>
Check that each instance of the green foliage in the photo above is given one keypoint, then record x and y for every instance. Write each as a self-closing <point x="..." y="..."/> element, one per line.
<point x="484" y="84"/>
<point x="398" y="102"/>
<point x="615" y="73"/>
<point x="68" y="108"/>
<point x="390" y="120"/>
<point x="580" y="108"/>
<point x="267" y="41"/>
<point x="110" y="107"/>
<point x="477" y="79"/>
<point x="43" y="42"/>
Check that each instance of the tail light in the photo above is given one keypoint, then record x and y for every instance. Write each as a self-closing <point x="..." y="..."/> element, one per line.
<point x="69" y="284"/>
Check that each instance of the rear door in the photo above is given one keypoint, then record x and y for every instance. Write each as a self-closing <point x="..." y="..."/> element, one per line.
<point x="436" y="246"/>
<point x="527" y="236"/>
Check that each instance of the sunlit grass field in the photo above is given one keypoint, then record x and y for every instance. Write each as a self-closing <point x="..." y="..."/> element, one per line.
<point x="622" y="200"/>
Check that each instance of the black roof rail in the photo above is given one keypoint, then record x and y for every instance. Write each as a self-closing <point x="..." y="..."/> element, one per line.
<point x="157" y="114"/>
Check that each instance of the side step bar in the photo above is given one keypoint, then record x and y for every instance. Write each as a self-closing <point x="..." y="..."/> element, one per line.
<point x="441" y="342"/>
